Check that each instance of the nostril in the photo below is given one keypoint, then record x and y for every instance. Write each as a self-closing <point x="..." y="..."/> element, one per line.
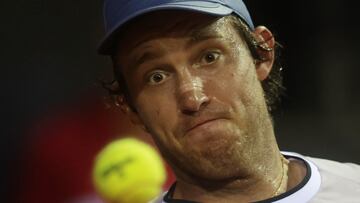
<point x="203" y="101"/>
<point x="191" y="93"/>
<point x="193" y="101"/>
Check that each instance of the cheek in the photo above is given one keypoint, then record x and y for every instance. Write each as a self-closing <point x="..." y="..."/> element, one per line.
<point x="236" y="80"/>
<point x="157" y="111"/>
<point x="245" y="81"/>
<point x="237" y="87"/>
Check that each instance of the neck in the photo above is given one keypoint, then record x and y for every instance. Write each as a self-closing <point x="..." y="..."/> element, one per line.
<point x="246" y="189"/>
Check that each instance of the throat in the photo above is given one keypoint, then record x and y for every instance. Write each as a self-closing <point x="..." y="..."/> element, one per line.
<point x="241" y="190"/>
<point x="224" y="191"/>
<point x="283" y="183"/>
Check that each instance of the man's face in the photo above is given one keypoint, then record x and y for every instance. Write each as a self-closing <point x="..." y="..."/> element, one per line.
<point x="195" y="88"/>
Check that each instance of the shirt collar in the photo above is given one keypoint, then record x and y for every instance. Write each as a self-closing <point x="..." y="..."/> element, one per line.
<point x="303" y="192"/>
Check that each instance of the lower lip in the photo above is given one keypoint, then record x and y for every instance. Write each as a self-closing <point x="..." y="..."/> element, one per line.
<point x="211" y="125"/>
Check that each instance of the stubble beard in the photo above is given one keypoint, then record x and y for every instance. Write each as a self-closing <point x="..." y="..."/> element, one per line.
<point x="223" y="159"/>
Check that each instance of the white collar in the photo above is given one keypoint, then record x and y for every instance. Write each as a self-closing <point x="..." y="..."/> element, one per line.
<point x="308" y="187"/>
<point x="302" y="193"/>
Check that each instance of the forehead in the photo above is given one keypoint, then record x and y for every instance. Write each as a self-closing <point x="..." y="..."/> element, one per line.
<point x="174" y="24"/>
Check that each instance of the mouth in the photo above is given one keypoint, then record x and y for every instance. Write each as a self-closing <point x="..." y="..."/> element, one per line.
<point x="201" y="123"/>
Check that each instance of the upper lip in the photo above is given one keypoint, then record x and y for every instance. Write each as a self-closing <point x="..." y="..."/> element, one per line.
<point x="197" y="122"/>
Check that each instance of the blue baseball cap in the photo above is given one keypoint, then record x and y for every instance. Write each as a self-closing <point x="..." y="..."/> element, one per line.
<point x="119" y="12"/>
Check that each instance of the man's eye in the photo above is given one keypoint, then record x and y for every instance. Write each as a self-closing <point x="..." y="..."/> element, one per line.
<point x="157" y="77"/>
<point x="210" y="57"/>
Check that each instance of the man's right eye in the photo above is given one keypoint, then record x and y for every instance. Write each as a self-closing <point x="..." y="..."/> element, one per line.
<point x="157" y="77"/>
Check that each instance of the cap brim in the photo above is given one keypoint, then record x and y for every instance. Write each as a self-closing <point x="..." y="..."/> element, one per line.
<point x="106" y="45"/>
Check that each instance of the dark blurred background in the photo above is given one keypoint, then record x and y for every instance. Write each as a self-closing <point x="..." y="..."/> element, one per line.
<point x="49" y="61"/>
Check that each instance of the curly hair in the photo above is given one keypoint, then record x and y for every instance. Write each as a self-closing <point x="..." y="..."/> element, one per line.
<point x="272" y="85"/>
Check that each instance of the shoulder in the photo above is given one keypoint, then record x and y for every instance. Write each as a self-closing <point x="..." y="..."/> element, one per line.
<point x="158" y="199"/>
<point x="333" y="169"/>
<point x="340" y="182"/>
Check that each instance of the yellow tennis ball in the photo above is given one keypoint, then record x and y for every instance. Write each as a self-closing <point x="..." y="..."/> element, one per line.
<point x="128" y="171"/>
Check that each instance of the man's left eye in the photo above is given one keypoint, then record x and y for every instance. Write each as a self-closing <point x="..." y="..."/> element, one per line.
<point x="210" y="57"/>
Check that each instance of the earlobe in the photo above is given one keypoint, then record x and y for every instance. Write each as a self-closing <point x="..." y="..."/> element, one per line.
<point x="124" y="106"/>
<point x="265" y="50"/>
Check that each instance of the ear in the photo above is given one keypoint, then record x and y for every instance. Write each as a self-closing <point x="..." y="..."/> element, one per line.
<point x="124" y="106"/>
<point x="265" y="50"/>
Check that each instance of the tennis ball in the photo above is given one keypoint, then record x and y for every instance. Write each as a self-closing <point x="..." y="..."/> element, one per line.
<point x="128" y="171"/>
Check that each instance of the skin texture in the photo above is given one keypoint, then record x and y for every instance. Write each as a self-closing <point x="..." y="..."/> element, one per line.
<point x="196" y="89"/>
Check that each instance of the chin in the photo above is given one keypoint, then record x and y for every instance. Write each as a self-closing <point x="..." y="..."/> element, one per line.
<point x="224" y="173"/>
<point x="219" y="162"/>
<point x="215" y="143"/>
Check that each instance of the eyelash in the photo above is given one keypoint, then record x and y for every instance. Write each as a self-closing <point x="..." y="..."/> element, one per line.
<point x="153" y="73"/>
<point x="206" y="53"/>
<point x="165" y="75"/>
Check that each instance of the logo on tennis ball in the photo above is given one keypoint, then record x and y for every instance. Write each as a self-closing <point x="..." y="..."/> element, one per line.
<point x="128" y="171"/>
<point x="117" y="167"/>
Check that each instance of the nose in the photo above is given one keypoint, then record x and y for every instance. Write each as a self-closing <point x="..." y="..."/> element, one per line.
<point x="191" y="92"/>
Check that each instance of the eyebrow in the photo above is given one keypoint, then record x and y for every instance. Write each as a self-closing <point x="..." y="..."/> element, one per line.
<point x="146" y="56"/>
<point x="196" y="37"/>
<point x="202" y="35"/>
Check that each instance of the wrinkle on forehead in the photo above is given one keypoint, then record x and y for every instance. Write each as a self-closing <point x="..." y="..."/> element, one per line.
<point x="157" y="25"/>
<point x="141" y="35"/>
<point x="163" y="24"/>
